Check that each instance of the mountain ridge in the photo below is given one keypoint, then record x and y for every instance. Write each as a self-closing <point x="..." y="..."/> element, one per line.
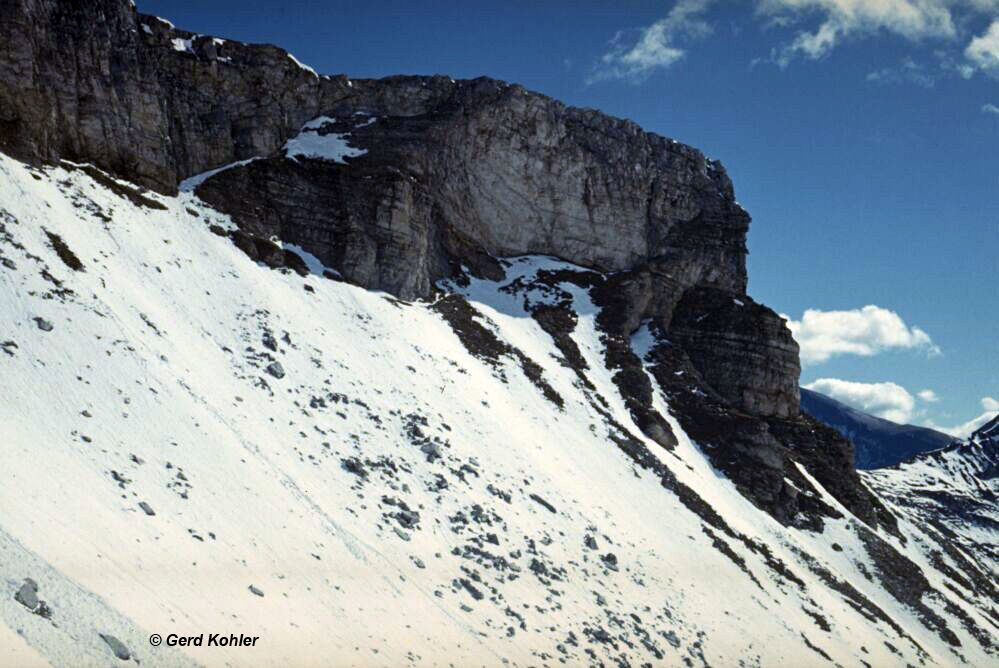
<point x="878" y="442"/>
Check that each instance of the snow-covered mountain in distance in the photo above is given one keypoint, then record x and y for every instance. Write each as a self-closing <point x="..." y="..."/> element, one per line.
<point x="877" y="442"/>
<point x="953" y="491"/>
<point x="194" y="442"/>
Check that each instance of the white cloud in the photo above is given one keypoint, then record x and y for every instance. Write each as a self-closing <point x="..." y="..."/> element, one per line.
<point x="908" y="72"/>
<point x="865" y="332"/>
<point x="658" y="45"/>
<point x="929" y="396"/>
<point x="990" y="406"/>
<point x="886" y="400"/>
<point x="983" y="51"/>
<point x="812" y="29"/>
<point x="990" y="109"/>
<point x="893" y="402"/>
<point x="912" y="19"/>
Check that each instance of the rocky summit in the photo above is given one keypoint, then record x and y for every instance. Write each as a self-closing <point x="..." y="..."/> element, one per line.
<point x="415" y="371"/>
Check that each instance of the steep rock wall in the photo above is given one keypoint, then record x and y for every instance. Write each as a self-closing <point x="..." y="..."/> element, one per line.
<point x="453" y="174"/>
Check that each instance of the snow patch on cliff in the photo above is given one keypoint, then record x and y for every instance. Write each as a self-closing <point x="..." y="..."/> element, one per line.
<point x="332" y="146"/>
<point x="189" y="184"/>
<point x="302" y="65"/>
<point x="183" y="45"/>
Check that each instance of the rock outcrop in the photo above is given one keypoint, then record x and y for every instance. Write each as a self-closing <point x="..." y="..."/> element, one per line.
<point x="97" y="82"/>
<point x="742" y="349"/>
<point x="450" y="174"/>
<point x="494" y="171"/>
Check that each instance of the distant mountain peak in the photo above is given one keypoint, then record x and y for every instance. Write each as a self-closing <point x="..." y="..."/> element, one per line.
<point x="877" y="442"/>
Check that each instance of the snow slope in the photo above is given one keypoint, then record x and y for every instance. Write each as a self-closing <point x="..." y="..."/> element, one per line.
<point x="950" y="500"/>
<point x="391" y="498"/>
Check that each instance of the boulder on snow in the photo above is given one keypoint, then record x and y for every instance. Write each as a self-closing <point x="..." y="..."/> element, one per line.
<point x="255" y="590"/>
<point x="275" y="369"/>
<point x="431" y="450"/>
<point x="43" y="324"/>
<point x="27" y="595"/>
<point x="116" y="646"/>
<point x="407" y="518"/>
<point x="537" y="499"/>
<point x="146" y="508"/>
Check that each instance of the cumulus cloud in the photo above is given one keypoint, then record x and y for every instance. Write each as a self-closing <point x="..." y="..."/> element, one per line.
<point x="868" y="331"/>
<point x="928" y="396"/>
<point x="659" y="45"/>
<point x="983" y="51"/>
<point x="990" y="406"/>
<point x="990" y="109"/>
<point x="893" y="402"/>
<point x="886" y="400"/>
<point x="840" y="19"/>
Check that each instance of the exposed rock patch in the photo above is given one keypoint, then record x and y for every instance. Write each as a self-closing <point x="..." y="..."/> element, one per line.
<point x="742" y="350"/>
<point x="67" y="256"/>
<point x="484" y="344"/>
<point x="117" y="647"/>
<point x="27" y="595"/>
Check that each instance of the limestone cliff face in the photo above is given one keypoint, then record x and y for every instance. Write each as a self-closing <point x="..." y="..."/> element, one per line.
<point x="514" y="171"/>
<point x="494" y="170"/>
<point x="97" y="82"/>
<point x="454" y="174"/>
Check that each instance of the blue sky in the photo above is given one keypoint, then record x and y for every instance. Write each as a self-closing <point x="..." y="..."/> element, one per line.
<point x="862" y="136"/>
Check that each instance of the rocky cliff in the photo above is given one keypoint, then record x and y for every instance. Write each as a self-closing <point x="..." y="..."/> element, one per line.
<point x="430" y="179"/>
<point x="450" y="167"/>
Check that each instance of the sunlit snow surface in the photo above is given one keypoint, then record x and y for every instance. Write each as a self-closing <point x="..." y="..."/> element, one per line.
<point x="181" y="44"/>
<point x="302" y="65"/>
<point x="151" y="387"/>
